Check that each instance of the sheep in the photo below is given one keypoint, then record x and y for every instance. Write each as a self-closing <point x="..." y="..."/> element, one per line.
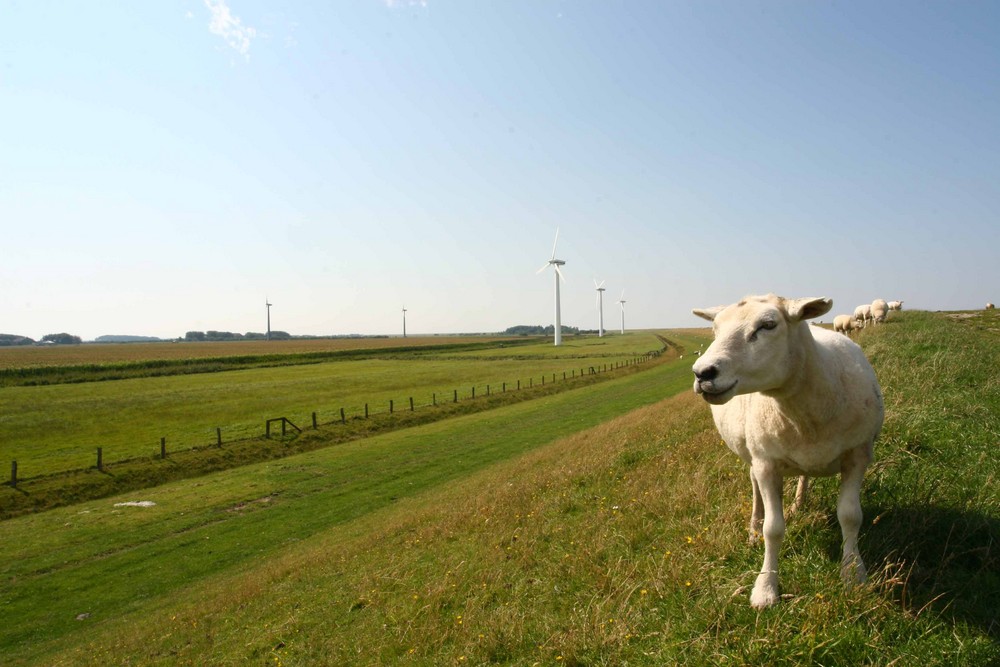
<point x="990" y="306"/>
<point x="862" y="314"/>
<point x="879" y="311"/>
<point x="790" y="399"/>
<point x="843" y="324"/>
<point x="895" y="305"/>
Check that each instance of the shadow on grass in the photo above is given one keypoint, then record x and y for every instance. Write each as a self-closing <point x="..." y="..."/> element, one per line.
<point x="948" y="560"/>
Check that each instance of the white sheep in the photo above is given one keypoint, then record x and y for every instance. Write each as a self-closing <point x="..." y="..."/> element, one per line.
<point x="843" y="324"/>
<point x="895" y="305"/>
<point x="990" y="306"/>
<point x="790" y="399"/>
<point x="862" y="314"/>
<point x="879" y="311"/>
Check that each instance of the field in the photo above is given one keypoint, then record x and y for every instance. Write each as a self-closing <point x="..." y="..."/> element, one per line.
<point x="604" y="525"/>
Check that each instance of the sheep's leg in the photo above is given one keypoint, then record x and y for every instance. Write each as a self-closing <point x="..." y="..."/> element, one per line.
<point x="852" y="471"/>
<point x="756" y="513"/>
<point x="801" y="495"/>
<point x="765" y="589"/>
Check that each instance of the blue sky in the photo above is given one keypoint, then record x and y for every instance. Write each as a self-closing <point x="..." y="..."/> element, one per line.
<point x="165" y="167"/>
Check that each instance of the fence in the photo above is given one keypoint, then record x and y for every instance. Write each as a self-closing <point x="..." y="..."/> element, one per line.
<point x="285" y="422"/>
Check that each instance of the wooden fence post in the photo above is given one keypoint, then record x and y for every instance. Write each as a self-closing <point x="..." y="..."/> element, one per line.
<point x="390" y="406"/>
<point x="218" y="435"/>
<point x="504" y="391"/>
<point x="163" y="448"/>
<point x="411" y="404"/>
<point x="314" y="422"/>
<point x="473" y="391"/>
<point x="343" y="417"/>
<point x="100" y="458"/>
<point x="366" y="411"/>
<point x="455" y="400"/>
<point x="13" y="474"/>
<point x="434" y="398"/>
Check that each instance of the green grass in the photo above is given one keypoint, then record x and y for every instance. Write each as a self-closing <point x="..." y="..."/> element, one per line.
<point x="598" y="526"/>
<point x="53" y="428"/>
<point x="68" y="557"/>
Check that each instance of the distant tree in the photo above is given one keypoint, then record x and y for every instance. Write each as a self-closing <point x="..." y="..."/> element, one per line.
<point x="13" y="339"/>
<point x="222" y="335"/>
<point x="194" y="336"/>
<point x="253" y="335"/>
<point x="280" y="335"/>
<point x="62" y="339"/>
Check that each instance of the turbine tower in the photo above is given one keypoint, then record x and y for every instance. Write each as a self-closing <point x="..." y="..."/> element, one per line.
<point x="268" y="304"/>
<point x="555" y="264"/>
<point x="621" y="302"/>
<point x="600" y="307"/>
<point x="404" y="321"/>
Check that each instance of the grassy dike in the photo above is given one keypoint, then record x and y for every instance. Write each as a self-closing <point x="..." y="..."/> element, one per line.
<point x="111" y="562"/>
<point x="598" y="527"/>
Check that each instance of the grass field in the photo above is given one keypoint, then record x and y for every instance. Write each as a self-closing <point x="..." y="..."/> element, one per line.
<point x="599" y="526"/>
<point x="51" y="428"/>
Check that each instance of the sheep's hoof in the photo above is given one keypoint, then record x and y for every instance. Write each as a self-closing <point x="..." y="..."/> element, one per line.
<point x="853" y="571"/>
<point x="765" y="591"/>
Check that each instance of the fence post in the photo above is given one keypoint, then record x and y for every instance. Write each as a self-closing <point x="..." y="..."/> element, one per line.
<point x="267" y="429"/>
<point x="455" y="400"/>
<point x="366" y="411"/>
<point x="163" y="448"/>
<point x="218" y="435"/>
<point x="314" y="421"/>
<point x="13" y="474"/>
<point x="518" y="384"/>
<point x="473" y="391"/>
<point x="283" y="422"/>
<point x="100" y="458"/>
<point x="434" y="398"/>
<point x="343" y="417"/>
<point x="504" y="388"/>
<point x="390" y="406"/>
<point x="411" y="404"/>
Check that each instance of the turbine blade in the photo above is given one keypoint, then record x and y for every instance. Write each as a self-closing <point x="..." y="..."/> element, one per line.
<point x="547" y="265"/>
<point x="559" y="271"/>
<point x="554" y="244"/>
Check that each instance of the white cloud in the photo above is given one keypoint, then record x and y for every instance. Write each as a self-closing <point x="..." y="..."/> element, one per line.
<point x="230" y="27"/>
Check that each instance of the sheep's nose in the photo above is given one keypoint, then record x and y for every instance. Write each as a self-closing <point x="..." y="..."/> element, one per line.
<point x="705" y="374"/>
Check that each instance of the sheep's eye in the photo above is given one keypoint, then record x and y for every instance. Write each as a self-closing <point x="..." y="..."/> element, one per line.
<point x="767" y="324"/>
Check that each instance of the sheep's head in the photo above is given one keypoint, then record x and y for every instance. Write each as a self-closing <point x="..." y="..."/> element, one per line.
<point x="754" y="345"/>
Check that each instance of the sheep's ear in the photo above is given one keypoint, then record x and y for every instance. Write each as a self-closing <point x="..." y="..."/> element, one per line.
<point x="804" y="309"/>
<point x="708" y="313"/>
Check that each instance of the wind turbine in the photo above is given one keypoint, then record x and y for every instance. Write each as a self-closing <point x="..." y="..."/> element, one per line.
<point x="621" y="302"/>
<point x="404" y="321"/>
<point x="600" y="307"/>
<point x="268" y="304"/>
<point x="555" y="264"/>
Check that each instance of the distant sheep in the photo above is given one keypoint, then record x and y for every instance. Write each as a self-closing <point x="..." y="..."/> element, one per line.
<point x="879" y="311"/>
<point x="790" y="399"/>
<point x="990" y="306"/>
<point x="863" y="314"/>
<point x="843" y="324"/>
<point x="895" y="305"/>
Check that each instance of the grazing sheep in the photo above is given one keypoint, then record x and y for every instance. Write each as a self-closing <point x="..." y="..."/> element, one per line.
<point x="895" y="305"/>
<point x="990" y="306"/>
<point x="790" y="399"/>
<point x="879" y="311"/>
<point x="843" y="324"/>
<point x="862" y="314"/>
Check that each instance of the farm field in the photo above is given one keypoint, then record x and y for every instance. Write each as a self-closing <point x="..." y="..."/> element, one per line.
<point x="32" y="356"/>
<point x="53" y="428"/>
<point x="599" y="526"/>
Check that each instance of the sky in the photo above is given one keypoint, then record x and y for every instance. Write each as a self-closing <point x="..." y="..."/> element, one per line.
<point x="168" y="167"/>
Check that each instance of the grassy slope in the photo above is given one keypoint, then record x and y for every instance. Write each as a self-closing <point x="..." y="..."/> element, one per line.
<point x="205" y="526"/>
<point x="53" y="428"/>
<point x="622" y="544"/>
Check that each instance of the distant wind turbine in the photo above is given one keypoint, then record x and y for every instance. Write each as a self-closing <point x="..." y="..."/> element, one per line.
<point x="404" y="321"/>
<point x="600" y="306"/>
<point x="268" y="304"/>
<point x="555" y="264"/>
<point x="621" y="302"/>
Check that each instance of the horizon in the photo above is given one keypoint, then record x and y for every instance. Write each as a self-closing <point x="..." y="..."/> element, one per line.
<point x="171" y="167"/>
